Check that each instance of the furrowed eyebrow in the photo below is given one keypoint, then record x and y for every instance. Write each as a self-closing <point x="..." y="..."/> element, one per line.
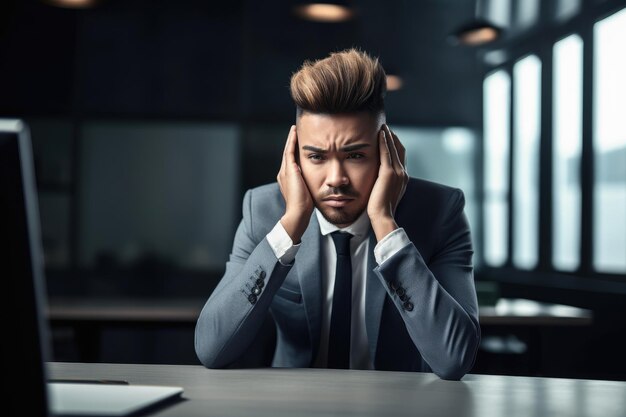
<point x="349" y="148"/>
<point x="313" y="149"/>
<point x="355" y="147"/>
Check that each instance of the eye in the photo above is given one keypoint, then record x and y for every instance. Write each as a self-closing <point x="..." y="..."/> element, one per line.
<point x="356" y="155"/>
<point x="315" y="157"/>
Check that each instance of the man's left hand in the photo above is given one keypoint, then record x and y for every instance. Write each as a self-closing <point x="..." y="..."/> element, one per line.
<point x="390" y="185"/>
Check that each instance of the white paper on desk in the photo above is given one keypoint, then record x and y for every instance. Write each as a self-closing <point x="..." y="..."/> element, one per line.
<point x="105" y="400"/>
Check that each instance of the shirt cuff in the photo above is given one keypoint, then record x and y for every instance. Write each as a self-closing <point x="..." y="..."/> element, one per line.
<point x="390" y="245"/>
<point x="282" y="245"/>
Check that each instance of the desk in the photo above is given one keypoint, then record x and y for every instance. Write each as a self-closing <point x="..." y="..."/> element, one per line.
<point x="324" y="392"/>
<point x="517" y="311"/>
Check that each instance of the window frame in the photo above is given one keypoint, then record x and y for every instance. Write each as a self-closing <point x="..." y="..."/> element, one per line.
<point x="540" y="42"/>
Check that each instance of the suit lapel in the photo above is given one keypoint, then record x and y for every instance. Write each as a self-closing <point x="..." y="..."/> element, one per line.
<point x="374" y="299"/>
<point x="309" y="275"/>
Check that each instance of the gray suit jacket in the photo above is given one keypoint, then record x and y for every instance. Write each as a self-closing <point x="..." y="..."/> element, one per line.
<point x="437" y="330"/>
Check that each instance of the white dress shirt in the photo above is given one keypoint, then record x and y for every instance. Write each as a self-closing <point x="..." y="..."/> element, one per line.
<point x="285" y="251"/>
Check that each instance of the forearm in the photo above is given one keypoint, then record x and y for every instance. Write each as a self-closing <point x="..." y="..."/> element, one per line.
<point x="444" y="330"/>
<point x="383" y="226"/>
<point x="232" y="316"/>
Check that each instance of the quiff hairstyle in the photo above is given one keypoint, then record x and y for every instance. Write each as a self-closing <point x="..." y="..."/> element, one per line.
<point x="345" y="82"/>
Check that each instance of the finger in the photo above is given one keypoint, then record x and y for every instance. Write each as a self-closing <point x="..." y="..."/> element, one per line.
<point x="385" y="157"/>
<point x="296" y="150"/>
<point x="395" y="158"/>
<point x="401" y="149"/>
<point x="286" y="149"/>
<point x="292" y="145"/>
<point x="287" y="141"/>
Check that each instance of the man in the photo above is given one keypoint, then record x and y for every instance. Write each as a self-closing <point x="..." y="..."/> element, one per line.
<point x="356" y="264"/>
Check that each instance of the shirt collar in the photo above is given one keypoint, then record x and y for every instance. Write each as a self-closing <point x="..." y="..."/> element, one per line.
<point x="359" y="228"/>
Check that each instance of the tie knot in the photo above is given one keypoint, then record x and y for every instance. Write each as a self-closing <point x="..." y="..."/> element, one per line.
<point x="342" y="242"/>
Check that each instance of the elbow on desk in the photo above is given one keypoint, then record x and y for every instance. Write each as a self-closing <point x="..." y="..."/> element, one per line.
<point x="207" y="351"/>
<point x="455" y="367"/>
<point x="207" y="355"/>
<point x="452" y="373"/>
<point x="205" y="358"/>
<point x="204" y="355"/>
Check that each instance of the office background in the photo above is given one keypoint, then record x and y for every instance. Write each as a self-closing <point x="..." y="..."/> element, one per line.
<point x="150" y="119"/>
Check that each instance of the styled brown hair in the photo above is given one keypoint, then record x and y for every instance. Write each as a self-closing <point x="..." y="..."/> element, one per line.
<point x="344" y="82"/>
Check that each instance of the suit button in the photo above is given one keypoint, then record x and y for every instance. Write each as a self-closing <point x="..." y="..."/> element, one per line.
<point x="394" y="285"/>
<point x="260" y="283"/>
<point x="262" y="274"/>
<point x="404" y="297"/>
<point x="252" y="298"/>
<point x="400" y="291"/>
<point x="256" y="291"/>
<point x="408" y="306"/>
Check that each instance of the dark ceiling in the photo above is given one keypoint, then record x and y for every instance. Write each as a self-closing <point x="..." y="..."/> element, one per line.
<point x="225" y="60"/>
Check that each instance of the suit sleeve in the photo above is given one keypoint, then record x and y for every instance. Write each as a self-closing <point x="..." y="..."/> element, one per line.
<point x="438" y="301"/>
<point x="239" y="305"/>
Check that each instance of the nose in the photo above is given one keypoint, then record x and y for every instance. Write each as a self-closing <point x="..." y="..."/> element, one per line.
<point x="336" y="176"/>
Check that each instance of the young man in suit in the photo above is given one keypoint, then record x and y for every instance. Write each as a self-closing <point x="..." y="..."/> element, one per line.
<point x="357" y="265"/>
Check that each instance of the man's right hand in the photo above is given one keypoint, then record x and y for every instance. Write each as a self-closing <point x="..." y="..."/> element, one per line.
<point x="299" y="203"/>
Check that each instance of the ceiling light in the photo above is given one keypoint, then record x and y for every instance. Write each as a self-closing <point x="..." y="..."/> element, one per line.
<point x="72" y="4"/>
<point x="324" y="12"/>
<point x="394" y="82"/>
<point x="478" y="32"/>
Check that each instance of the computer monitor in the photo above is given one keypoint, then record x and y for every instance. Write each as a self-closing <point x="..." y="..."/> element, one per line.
<point x="25" y="343"/>
<point x="25" y="340"/>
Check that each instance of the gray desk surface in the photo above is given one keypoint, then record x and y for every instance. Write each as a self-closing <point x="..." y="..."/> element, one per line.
<point x="323" y="392"/>
<point x="186" y="310"/>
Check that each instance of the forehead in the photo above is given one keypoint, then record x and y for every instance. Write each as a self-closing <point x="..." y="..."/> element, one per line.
<point x="337" y="129"/>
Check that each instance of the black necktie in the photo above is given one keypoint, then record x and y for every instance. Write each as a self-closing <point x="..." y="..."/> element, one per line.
<point x="339" y="337"/>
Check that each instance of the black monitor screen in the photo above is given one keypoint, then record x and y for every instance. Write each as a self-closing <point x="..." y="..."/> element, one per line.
<point x="21" y="272"/>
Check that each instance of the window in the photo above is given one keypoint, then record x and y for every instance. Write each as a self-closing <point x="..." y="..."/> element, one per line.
<point x="566" y="9"/>
<point x="566" y="152"/>
<point x="609" y="133"/>
<point x="431" y="152"/>
<point x="52" y="147"/>
<point x="148" y="189"/>
<point x="527" y="79"/>
<point x="497" y="96"/>
<point x="556" y="203"/>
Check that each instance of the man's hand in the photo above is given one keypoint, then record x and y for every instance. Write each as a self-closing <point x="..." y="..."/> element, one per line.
<point x="390" y="185"/>
<point x="295" y="192"/>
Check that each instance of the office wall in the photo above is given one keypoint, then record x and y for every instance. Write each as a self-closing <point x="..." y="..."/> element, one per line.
<point x="142" y="112"/>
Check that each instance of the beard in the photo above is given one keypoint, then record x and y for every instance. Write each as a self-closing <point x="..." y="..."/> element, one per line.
<point x="340" y="216"/>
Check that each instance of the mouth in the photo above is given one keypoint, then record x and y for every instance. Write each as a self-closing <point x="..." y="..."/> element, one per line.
<point x="337" y="201"/>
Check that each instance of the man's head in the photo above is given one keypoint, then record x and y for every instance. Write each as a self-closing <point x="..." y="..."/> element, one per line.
<point x="340" y="111"/>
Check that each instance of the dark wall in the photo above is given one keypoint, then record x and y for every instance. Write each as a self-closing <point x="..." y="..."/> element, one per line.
<point x="193" y="61"/>
<point x="224" y="61"/>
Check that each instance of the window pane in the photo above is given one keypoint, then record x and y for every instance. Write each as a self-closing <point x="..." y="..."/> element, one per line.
<point x="445" y="156"/>
<point x="566" y="9"/>
<point x="527" y="78"/>
<point x="158" y="193"/>
<point x="527" y="13"/>
<point x="609" y="208"/>
<point x="497" y="96"/>
<point x="52" y="147"/>
<point x="567" y="147"/>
